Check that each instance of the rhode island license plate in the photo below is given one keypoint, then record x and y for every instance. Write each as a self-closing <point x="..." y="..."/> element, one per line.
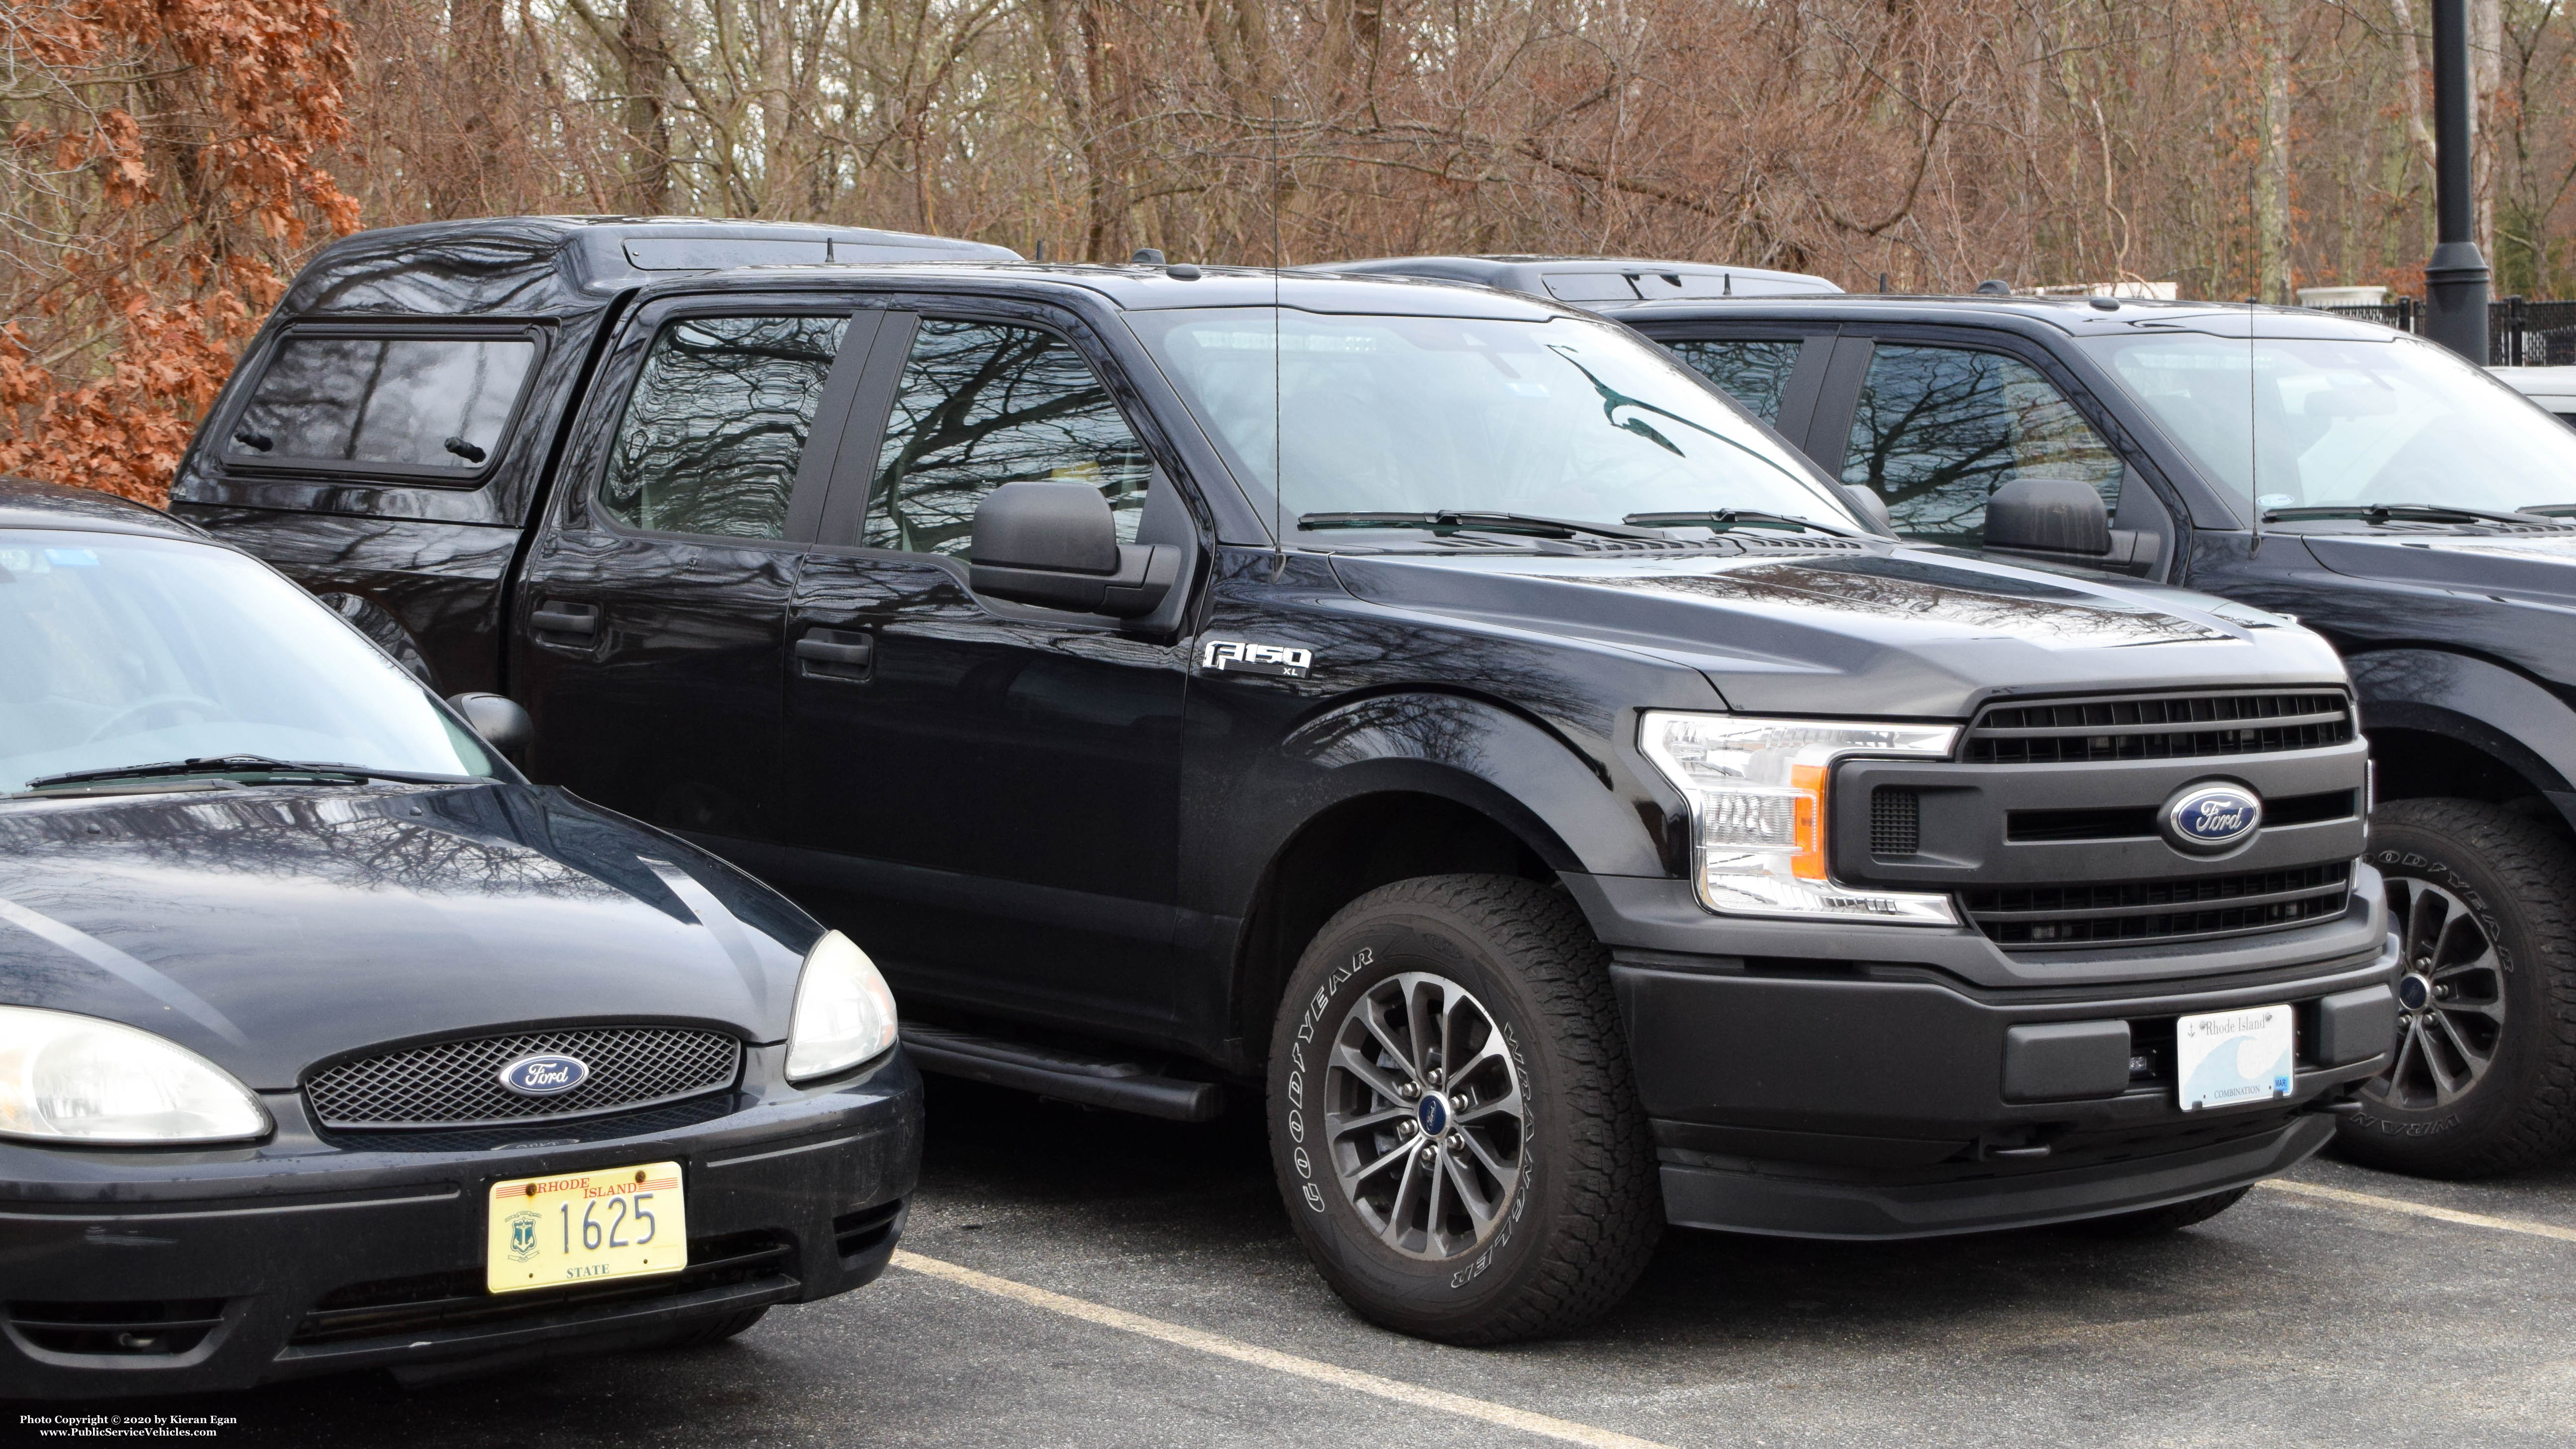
<point x="617" y="1222"/>
<point x="2229" y="1058"/>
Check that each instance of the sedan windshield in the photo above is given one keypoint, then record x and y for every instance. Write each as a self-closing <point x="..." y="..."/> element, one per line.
<point x="119" y="651"/>
<point x="1324" y="415"/>
<point x="2321" y="423"/>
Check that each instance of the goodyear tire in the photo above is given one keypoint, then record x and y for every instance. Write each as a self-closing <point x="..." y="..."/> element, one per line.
<point x="2484" y="1077"/>
<point x="1452" y="1116"/>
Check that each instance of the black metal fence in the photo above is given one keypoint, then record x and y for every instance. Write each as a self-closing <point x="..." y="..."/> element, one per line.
<point x="2520" y="332"/>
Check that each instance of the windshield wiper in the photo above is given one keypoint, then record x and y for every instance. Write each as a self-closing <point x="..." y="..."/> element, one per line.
<point x="232" y="765"/>
<point x="1721" y="519"/>
<point x="1521" y="523"/>
<point x="2423" y="512"/>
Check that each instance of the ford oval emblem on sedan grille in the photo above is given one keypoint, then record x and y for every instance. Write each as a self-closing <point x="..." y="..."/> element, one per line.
<point x="545" y="1076"/>
<point x="2207" y="819"/>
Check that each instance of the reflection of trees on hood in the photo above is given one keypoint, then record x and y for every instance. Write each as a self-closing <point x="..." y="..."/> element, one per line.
<point x="1904" y="589"/>
<point x="460" y="844"/>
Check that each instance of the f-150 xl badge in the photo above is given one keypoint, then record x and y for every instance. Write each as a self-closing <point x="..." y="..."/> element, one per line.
<point x="1237" y="657"/>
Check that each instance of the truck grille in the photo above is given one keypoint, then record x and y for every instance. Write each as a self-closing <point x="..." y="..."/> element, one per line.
<point x="457" y="1083"/>
<point x="2148" y="912"/>
<point x="2157" y="727"/>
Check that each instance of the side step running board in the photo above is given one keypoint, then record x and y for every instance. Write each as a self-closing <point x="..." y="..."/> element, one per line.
<point x="1064" y="1075"/>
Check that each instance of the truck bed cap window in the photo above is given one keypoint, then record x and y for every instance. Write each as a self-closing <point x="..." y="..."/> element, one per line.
<point x="377" y="402"/>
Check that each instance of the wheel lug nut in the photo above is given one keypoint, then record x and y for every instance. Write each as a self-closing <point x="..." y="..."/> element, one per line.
<point x="1408" y="1091"/>
<point x="1430" y="1155"/>
<point x="1457" y="1141"/>
<point x="1406" y="1128"/>
<point x="1432" y="1076"/>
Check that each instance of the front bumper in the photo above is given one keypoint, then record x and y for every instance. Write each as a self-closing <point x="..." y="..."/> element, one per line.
<point x="155" y="1272"/>
<point x="1830" y="1081"/>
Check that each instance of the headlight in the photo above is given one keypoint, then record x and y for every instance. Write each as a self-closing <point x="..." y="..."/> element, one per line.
<point x="77" y="1079"/>
<point x="1757" y="800"/>
<point x="844" y="1014"/>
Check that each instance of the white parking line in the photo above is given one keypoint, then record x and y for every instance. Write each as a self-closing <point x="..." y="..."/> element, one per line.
<point x="1271" y="1358"/>
<point x="2423" y="1210"/>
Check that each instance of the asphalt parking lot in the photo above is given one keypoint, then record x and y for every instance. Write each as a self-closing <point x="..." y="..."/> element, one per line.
<point x="1171" y="1307"/>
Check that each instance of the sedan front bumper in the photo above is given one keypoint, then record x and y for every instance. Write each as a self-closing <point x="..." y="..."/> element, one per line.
<point x="133" y="1272"/>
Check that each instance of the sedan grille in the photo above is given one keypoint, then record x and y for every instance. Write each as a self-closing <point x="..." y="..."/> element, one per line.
<point x="2158" y="727"/>
<point x="458" y="1083"/>
<point x="2149" y="912"/>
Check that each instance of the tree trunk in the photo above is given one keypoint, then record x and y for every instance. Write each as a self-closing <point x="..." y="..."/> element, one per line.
<point x="644" y="53"/>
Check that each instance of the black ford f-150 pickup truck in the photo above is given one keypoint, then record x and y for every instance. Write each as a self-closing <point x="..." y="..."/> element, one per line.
<point x="1434" y="704"/>
<point x="2411" y="509"/>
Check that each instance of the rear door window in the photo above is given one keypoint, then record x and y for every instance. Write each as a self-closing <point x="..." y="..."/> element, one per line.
<point x="1939" y="429"/>
<point x="716" y="426"/>
<point x="385" y="404"/>
<point x="982" y="404"/>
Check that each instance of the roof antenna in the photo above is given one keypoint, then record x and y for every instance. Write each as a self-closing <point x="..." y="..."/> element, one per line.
<point x="1278" y="419"/>
<point x="1882" y="284"/>
<point x="1041" y="248"/>
<point x="2253" y="446"/>
<point x="828" y="258"/>
<point x="1726" y="283"/>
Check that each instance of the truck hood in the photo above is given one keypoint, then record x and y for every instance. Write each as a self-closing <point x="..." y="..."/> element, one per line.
<point x="1865" y="629"/>
<point x="270" y="929"/>
<point x="2535" y="565"/>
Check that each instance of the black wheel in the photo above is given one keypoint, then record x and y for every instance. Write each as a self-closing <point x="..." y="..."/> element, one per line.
<point x="1452" y="1115"/>
<point x="2173" y="1217"/>
<point x="2484" y="1078"/>
<point x="712" y="1330"/>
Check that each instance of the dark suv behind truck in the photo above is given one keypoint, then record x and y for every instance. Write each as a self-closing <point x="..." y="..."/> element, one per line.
<point x="2393" y="498"/>
<point x="1432" y="704"/>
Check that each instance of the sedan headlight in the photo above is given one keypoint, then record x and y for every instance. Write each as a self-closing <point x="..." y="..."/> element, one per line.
<point x="1757" y="800"/>
<point x="844" y="1013"/>
<point x="67" y="1079"/>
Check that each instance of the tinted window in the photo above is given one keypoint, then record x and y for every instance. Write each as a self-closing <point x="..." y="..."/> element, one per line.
<point x="1753" y="373"/>
<point x="1939" y="429"/>
<point x="716" y="425"/>
<point x="983" y="404"/>
<point x="417" y="402"/>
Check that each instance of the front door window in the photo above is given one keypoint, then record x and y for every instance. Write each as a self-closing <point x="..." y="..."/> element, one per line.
<point x="982" y="404"/>
<point x="1939" y="429"/>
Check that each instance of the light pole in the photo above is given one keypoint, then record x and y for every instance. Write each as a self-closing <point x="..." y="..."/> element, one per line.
<point x="2455" y="280"/>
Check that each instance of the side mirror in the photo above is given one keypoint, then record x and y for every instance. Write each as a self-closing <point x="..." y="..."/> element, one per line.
<point x="1872" y="508"/>
<point x="1055" y="545"/>
<point x="498" y="719"/>
<point x="2048" y="515"/>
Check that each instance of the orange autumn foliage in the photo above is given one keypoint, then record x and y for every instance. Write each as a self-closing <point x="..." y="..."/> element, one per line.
<point x="158" y="190"/>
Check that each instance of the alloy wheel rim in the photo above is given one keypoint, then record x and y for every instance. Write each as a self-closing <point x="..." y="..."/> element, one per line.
<point x="1425" y="1117"/>
<point x="2451" y="1008"/>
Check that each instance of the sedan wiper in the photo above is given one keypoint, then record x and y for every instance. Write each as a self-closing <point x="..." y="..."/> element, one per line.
<point x="231" y="765"/>
<point x="1722" y="519"/>
<point x="2421" y="512"/>
<point x="1451" y="519"/>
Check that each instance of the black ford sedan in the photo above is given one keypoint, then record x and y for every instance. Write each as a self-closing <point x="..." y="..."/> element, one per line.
<point x="327" y="1041"/>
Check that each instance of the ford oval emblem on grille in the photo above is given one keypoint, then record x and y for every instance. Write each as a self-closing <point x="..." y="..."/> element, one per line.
<point x="545" y="1075"/>
<point x="2207" y="819"/>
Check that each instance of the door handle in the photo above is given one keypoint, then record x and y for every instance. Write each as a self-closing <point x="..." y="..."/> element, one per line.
<point x="579" y="620"/>
<point x="836" y="654"/>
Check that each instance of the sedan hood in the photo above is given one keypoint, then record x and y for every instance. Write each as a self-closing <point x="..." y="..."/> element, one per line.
<point x="270" y="929"/>
<point x="1866" y="628"/>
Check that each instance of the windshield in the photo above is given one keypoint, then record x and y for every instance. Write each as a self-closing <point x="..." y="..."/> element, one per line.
<point x="120" y="651"/>
<point x="2324" y="422"/>
<point x="1562" y="419"/>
